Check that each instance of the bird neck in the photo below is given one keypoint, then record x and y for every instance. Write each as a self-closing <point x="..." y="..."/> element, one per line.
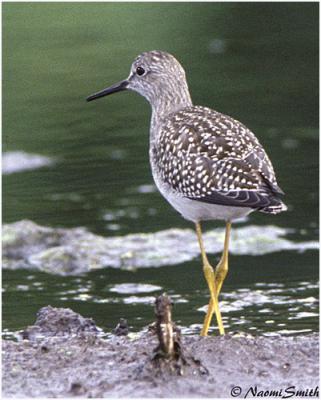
<point x="172" y="98"/>
<point x="168" y="103"/>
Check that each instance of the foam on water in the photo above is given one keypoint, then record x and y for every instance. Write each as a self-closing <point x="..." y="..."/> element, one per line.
<point x="18" y="161"/>
<point x="76" y="251"/>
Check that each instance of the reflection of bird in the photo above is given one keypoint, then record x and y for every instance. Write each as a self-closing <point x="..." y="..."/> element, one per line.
<point x="206" y="164"/>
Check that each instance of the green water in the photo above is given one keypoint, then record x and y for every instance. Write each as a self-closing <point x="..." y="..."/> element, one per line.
<point x="255" y="61"/>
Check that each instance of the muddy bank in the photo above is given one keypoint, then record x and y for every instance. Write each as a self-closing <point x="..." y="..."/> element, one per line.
<point x="75" y="251"/>
<point x="64" y="355"/>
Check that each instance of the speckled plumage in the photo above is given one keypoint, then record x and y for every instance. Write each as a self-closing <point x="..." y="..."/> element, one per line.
<point x="206" y="164"/>
<point x="210" y="157"/>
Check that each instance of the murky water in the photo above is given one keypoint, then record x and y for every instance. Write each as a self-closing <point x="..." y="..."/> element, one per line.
<point x="247" y="60"/>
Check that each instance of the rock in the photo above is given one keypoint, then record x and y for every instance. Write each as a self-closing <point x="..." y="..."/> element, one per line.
<point x="59" y="322"/>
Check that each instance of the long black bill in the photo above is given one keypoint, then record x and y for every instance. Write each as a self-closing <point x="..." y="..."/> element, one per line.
<point x="118" y="87"/>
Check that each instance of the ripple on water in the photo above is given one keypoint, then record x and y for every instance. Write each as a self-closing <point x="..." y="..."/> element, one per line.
<point x="139" y="300"/>
<point x="266" y="306"/>
<point x="270" y="307"/>
<point x="18" y="161"/>
<point x="131" y="288"/>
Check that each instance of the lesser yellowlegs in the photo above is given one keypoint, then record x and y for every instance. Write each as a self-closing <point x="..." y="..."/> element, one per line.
<point x="206" y="164"/>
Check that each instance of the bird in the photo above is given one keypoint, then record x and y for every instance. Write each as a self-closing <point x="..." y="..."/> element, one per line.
<point x="207" y="165"/>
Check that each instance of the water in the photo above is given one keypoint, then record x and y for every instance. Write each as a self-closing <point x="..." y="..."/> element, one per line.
<point x="256" y="62"/>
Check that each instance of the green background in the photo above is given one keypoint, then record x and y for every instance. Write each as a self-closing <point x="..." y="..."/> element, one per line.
<point x="255" y="61"/>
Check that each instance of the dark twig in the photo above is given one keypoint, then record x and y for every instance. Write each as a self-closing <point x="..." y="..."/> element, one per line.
<point x="169" y="348"/>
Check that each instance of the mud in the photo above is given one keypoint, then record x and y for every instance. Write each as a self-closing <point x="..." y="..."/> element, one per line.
<point x="65" y="355"/>
<point x="75" y="251"/>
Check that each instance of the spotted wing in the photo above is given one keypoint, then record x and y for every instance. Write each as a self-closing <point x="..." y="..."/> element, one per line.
<point x="210" y="157"/>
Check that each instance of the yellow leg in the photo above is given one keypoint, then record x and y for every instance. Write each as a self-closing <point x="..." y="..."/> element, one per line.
<point x="222" y="267"/>
<point x="209" y="274"/>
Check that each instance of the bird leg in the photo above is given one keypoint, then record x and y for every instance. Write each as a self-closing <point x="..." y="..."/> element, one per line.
<point x="209" y="274"/>
<point x="222" y="267"/>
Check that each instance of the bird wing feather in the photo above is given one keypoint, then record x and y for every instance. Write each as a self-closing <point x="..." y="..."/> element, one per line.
<point x="211" y="157"/>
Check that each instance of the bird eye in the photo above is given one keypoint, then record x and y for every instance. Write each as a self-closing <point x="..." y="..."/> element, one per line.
<point x="140" y="71"/>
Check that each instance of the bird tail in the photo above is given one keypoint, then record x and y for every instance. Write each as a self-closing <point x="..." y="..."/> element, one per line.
<point x="274" y="208"/>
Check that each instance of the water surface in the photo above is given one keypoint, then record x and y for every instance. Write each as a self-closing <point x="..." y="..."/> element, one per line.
<point x="257" y="62"/>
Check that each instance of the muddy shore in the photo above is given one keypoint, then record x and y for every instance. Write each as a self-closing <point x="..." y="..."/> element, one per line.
<point x="64" y="355"/>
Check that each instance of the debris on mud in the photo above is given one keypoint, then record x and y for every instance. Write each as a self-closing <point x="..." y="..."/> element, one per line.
<point x="27" y="245"/>
<point x="71" y="358"/>
<point x="169" y="352"/>
<point x="121" y="328"/>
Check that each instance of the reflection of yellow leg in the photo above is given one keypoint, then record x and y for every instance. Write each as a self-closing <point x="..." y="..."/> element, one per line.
<point x="211" y="282"/>
<point x="222" y="267"/>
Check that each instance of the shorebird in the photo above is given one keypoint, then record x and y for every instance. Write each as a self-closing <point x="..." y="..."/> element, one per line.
<point x="207" y="165"/>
